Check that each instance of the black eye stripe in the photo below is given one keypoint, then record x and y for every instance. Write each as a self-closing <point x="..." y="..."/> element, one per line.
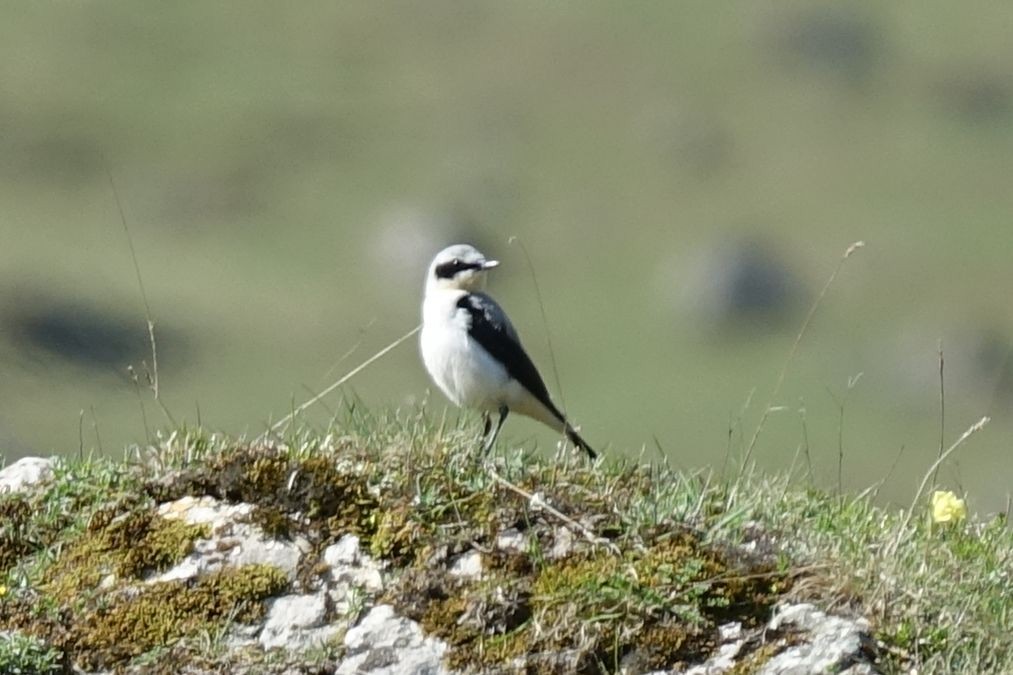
<point x="449" y="270"/>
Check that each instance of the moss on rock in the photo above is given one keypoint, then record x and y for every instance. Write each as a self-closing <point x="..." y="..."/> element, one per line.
<point x="16" y="539"/>
<point x="663" y="601"/>
<point x="159" y="614"/>
<point x="279" y="485"/>
<point x="118" y="548"/>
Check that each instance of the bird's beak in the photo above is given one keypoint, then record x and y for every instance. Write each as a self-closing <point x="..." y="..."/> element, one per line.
<point x="489" y="264"/>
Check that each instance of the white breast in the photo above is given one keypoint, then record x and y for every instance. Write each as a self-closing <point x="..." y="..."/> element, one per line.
<point x="459" y="366"/>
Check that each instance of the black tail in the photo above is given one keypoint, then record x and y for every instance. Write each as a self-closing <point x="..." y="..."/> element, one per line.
<point x="575" y="438"/>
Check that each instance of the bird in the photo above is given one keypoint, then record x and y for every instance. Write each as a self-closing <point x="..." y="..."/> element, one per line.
<point x="473" y="352"/>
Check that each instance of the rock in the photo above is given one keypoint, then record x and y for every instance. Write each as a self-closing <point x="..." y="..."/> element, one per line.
<point x="467" y="566"/>
<point x="345" y="552"/>
<point x="205" y="510"/>
<point x="818" y="644"/>
<point x="26" y="473"/>
<point x="726" y="657"/>
<point x="833" y="644"/>
<point x="297" y="622"/>
<point x="722" y="662"/>
<point x="730" y="631"/>
<point x="232" y="543"/>
<point x="386" y="644"/>
<point x="511" y="540"/>
<point x="562" y="545"/>
<point x="353" y="574"/>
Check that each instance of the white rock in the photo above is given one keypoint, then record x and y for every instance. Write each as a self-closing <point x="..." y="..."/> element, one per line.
<point x="297" y="622"/>
<point x="232" y="543"/>
<point x="832" y="643"/>
<point x="386" y="644"/>
<point x="26" y="473"/>
<point x="511" y="539"/>
<point x="730" y="631"/>
<point x="353" y="575"/>
<point x="344" y="552"/>
<point x="205" y="511"/>
<point x="562" y="544"/>
<point x="242" y="636"/>
<point x="352" y="567"/>
<point x="721" y="662"/>
<point x="467" y="566"/>
<point x="255" y="549"/>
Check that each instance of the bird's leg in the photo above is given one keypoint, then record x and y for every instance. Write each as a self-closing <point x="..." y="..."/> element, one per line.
<point x="503" y="412"/>
<point x="486" y="427"/>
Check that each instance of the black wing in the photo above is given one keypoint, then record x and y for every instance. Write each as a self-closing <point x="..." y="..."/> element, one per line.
<point x="491" y="328"/>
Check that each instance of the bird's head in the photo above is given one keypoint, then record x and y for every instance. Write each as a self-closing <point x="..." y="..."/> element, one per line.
<point x="460" y="266"/>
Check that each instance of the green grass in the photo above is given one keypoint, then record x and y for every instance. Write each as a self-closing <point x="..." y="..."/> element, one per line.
<point x="657" y="552"/>
<point x="26" y="655"/>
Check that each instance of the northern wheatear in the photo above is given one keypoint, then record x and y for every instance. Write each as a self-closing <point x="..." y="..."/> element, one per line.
<point x="472" y="351"/>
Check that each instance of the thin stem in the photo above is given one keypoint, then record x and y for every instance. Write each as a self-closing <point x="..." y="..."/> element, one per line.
<point x="794" y="348"/>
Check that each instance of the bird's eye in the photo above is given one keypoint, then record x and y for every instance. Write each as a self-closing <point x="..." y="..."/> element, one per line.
<point x="449" y="270"/>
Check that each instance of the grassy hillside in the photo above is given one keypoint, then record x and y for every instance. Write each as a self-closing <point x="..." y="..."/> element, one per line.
<point x="287" y="171"/>
<point x="659" y="556"/>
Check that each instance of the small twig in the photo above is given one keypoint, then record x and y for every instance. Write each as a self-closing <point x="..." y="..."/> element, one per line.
<point x="538" y="502"/>
<point x="545" y="319"/>
<point x="312" y="392"/>
<point x="805" y="441"/>
<point x="841" y="404"/>
<point x="98" y="436"/>
<point x="345" y="378"/>
<point x="144" y="299"/>
<point x="140" y="400"/>
<point x="701" y="500"/>
<point x="775" y="574"/>
<point x="794" y="348"/>
<point x="351" y="350"/>
<point x="889" y="473"/>
<point x="80" y="436"/>
<point x="735" y="424"/>
<point x="942" y="413"/>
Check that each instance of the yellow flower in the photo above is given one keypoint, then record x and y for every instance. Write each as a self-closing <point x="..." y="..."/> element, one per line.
<point x="3" y="590"/>
<point x="947" y="507"/>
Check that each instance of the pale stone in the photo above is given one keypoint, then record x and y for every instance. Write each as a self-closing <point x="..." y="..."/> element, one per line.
<point x="511" y="539"/>
<point x="344" y="552"/>
<point x="297" y="622"/>
<point x="232" y="543"/>
<point x="26" y="473"/>
<point x="832" y="642"/>
<point x="384" y="643"/>
<point x="562" y="544"/>
<point x="467" y="566"/>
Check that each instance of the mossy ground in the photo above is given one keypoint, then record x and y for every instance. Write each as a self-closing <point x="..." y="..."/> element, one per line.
<point x="646" y="565"/>
<point x="657" y="604"/>
<point x="86" y="599"/>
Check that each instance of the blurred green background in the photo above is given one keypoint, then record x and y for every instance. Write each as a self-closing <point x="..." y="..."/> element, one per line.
<point x="685" y="176"/>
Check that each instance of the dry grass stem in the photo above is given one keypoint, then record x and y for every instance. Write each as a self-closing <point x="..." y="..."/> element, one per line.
<point x="794" y="348"/>
<point x="345" y="378"/>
